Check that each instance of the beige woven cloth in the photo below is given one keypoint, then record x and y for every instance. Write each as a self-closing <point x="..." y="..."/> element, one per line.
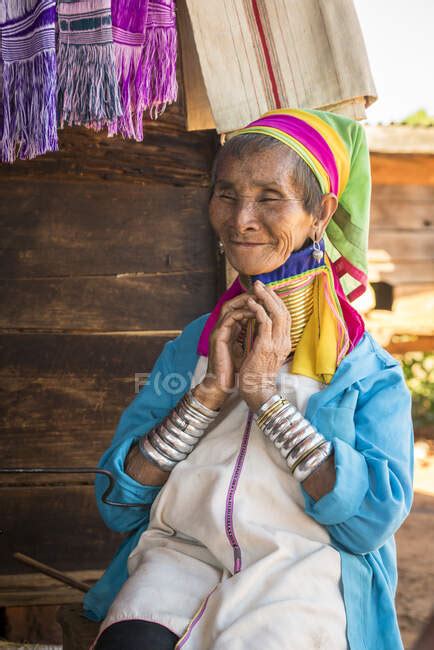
<point x="242" y="58"/>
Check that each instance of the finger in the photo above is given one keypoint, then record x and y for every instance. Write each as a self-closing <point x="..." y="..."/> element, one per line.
<point x="269" y="296"/>
<point x="223" y="329"/>
<point x="263" y="320"/>
<point x="275" y="307"/>
<point x="237" y="353"/>
<point x="233" y="303"/>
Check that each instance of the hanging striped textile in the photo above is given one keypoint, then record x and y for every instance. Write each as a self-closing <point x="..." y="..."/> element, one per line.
<point x="27" y="37"/>
<point x="259" y="55"/>
<point x="88" y="91"/>
<point x="145" y="51"/>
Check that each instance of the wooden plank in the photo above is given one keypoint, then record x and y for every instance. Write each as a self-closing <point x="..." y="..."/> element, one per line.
<point x="413" y="344"/>
<point x="126" y="302"/>
<point x="167" y="154"/>
<point x="37" y="589"/>
<point x="62" y="396"/>
<point x="399" y="273"/>
<point x="413" y="289"/>
<point x="402" y="207"/>
<point x="406" y="192"/>
<point x="57" y="525"/>
<point x="89" y="229"/>
<point x="78" y="632"/>
<point x="403" y="245"/>
<point x="402" y="169"/>
<point x="30" y="625"/>
<point x="96" y="354"/>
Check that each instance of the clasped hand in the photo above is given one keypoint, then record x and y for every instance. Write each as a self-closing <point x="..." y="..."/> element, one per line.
<point x="257" y="371"/>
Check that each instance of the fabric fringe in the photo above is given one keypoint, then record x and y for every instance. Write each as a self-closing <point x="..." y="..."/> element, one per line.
<point x="1" y="92"/>
<point x="11" y="9"/>
<point x="87" y="86"/>
<point x="127" y="61"/>
<point x="147" y="78"/>
<point x="29" y="107"/>
<point x="160" y="86"/>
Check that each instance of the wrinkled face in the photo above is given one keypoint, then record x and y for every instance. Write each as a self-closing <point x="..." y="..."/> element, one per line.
<point x="257" y="213"/>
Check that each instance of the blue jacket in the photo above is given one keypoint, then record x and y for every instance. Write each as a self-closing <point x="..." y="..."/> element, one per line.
<point x="366" y="410"/>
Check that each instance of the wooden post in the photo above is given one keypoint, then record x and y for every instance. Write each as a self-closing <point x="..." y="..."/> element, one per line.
<point x="78" y="631"/>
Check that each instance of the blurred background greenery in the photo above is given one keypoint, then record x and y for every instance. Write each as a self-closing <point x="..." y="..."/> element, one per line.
<point x="418" y="370"/>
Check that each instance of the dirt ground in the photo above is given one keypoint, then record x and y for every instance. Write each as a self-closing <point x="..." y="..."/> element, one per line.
<point x="415" y="543"/>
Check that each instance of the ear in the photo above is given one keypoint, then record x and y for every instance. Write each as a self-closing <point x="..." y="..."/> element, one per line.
<point x="329" y="205"/>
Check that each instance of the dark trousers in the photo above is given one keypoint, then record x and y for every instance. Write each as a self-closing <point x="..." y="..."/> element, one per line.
<point x="136" y="635"/>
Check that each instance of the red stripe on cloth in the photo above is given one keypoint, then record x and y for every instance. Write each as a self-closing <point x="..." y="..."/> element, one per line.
<point x="266" y="53"/>
<point x="342" y="266"/>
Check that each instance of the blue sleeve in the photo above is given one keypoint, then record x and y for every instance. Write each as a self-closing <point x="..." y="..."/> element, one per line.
<point x="164" y="387"/>
<point x="373" y="491"/>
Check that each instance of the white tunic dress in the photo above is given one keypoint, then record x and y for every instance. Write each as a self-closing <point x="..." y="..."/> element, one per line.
<point x="230" y="560"/>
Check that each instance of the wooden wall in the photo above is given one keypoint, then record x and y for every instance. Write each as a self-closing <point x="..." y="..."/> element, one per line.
<point x="402" y="221"/>
<point x="401" y="245"/>
<point x="106" y="253"/>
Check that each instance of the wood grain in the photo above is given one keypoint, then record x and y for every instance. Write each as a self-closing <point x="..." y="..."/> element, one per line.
<point x="106" y="253"/>
<point x="403" y="207"/>
<point x="62" y="396"/>
<point x="403" y="245"/>
<point x="78" y="632"/>
<point x="37" y="589"/>
<point x="402" y="169"/>
<point x="125" y="302"/>
<point x="57" y="525"/>
<point x="167" y="154"/>
<point x="413" y="344"/>
<point x="90" y="229"/>
<point x="397" y="272"/>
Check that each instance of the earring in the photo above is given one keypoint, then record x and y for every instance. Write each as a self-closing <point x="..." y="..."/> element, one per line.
<point x="317" y="253"/>
<point x="221" y="247"/>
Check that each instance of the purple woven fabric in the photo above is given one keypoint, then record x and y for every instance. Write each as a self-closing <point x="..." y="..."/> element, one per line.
<point x="129" y="26"/>
<point x="144" y="34"/>
<point x="28" y="55"/>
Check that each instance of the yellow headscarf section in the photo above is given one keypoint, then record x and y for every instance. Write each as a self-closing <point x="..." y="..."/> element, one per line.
<point x="325" y="340"/>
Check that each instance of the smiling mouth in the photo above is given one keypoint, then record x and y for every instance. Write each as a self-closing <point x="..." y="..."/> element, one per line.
<point x="236" y="243"/>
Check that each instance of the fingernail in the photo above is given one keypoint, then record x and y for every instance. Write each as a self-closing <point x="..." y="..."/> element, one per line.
<point x="259" y="283"/>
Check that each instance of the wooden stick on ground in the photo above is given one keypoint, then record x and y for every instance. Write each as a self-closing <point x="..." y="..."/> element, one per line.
<point x="53" y="573"/>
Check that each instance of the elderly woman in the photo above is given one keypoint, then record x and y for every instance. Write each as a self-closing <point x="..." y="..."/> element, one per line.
<point x="273" y="438"/>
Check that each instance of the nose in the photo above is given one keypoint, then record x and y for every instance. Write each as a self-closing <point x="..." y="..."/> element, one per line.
<point x="244" y="215"/>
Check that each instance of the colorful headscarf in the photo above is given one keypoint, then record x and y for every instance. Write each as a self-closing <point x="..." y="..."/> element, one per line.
<point x="335" y="149"/>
